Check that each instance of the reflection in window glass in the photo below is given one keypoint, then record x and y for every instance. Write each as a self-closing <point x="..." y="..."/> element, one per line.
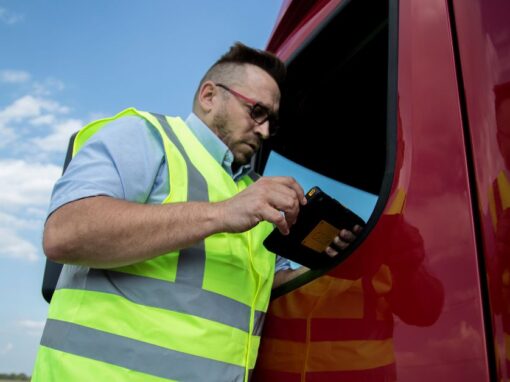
<point x="359" y="201"/>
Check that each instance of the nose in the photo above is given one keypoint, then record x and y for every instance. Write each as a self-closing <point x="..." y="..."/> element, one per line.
<point x="263" y="130"/>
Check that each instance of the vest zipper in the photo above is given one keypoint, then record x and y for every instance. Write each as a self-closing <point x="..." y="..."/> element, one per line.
<point x="252" y="310"/>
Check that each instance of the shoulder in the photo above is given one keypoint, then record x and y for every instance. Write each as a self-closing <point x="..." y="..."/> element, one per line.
<point x="124" y="126"/>
<point x="126" y="135"/>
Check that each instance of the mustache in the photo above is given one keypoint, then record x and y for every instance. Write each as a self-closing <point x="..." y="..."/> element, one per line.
<point x="254" y="144"/>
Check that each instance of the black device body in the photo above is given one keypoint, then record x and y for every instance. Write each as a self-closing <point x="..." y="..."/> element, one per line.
<point x="318" y="222"/>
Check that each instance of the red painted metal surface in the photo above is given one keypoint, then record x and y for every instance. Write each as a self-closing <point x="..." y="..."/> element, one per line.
<point x="298" y="17"/>
<point x="294" y="28"/>
<point x="438" y="201"/>
<point x="483" y="31"/>
<point x="427" y="235"/>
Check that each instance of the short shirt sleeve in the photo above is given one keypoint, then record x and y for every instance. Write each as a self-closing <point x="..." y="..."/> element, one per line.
<point x="282" y="264"/>
<point x="122" y="160"/>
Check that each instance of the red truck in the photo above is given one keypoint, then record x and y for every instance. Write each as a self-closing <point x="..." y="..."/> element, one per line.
<point x="408" y="101"/>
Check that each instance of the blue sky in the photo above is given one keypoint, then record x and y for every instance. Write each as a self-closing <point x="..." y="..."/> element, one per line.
<point x="64" y="64"/>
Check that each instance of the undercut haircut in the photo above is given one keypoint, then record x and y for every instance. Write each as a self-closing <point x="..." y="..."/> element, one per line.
<point x="231" y="66"/>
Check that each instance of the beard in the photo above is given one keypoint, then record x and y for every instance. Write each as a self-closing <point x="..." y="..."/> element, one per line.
<point x="220" y="126"/>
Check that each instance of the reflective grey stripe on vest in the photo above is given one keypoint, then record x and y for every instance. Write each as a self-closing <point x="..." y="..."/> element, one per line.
<point x="191" y="263"/>
<point x="258" y="323"/>
<point x="135" y="355"/>
<point x="157" y="293"/>
<point x="162" y="294"/>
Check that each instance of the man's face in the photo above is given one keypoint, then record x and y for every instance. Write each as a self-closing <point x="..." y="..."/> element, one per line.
<point x="232" y="121"/>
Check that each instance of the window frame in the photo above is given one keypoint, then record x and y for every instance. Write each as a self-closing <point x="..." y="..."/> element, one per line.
<point x="391" y="137"/>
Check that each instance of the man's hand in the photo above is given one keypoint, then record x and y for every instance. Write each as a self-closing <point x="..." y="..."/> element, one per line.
<point x="273" y="199"/>
<point x="343" y="240"/>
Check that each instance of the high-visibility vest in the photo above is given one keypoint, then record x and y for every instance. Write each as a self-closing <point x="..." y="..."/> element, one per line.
<point x="191" y="315"/>
<point x="331" y="329"/>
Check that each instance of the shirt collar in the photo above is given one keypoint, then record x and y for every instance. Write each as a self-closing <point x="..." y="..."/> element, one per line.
<point x="215" y="146"/>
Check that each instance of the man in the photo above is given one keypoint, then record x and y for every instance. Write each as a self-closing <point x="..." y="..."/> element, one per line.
<point x="160" y="225"/>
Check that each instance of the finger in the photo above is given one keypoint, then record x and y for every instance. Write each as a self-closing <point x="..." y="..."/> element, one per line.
<point x="331" y="252"/>
<point x="339" y="243"/>
<point x="287" y="205"/>
<point x="357" y="229"/>
<point x="291" y="213"/>
<point x="347" y="236"/>
<point x="277" y="203"/>
<point x="274" y="216"/>
<point x="284" y="199"/>
<point x="291" y="183"/>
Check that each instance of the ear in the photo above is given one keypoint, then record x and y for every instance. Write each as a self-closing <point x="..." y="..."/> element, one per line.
<point x="207" y="96"/>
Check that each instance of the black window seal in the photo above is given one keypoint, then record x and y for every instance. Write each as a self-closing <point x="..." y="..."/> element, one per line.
<point x="391" y="140"/>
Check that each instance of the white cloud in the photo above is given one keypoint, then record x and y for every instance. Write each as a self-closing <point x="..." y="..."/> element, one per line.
<point x="30" y="107"/>
<point x="10" y="18"/>
<point x="36" y="212"/>
<point x="6" y="348"/>
<point x="26" y="184"/>
<point x="15" y="222"/>
<point x="14" y="76"/>
<point x="58" y="140"/>
<point x="15" y="247"/>
<point x="18" y="118"/>
<point x="7" y="136"/>
<point x="47" y="87"/>
<point x="47" y="119"/>
<point x="24" y="107"/>
<point x="26" y="189"/>
<point x="25" y="121"/>
<point x="31" y="324"/>
<point x="33" y="328"/>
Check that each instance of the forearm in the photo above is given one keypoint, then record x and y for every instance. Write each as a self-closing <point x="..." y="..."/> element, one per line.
<point x="103" y="232"/>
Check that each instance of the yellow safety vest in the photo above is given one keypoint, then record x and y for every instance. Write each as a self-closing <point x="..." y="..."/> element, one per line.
<point x="194" y="314"/>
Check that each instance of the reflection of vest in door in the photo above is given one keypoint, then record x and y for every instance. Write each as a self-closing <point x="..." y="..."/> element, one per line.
<point x="499" y="208"/>
<point x="499" y="197"/>
<point x="330" y="330"/>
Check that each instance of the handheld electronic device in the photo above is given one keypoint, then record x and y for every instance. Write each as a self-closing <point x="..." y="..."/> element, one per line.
<point x="318" y="222"/>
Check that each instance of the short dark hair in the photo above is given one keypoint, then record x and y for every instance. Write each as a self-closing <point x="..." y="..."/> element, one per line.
<point x="239" y="55"/>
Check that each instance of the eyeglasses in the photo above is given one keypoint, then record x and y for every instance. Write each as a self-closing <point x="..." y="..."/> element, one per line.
<point x="258" y="112"/>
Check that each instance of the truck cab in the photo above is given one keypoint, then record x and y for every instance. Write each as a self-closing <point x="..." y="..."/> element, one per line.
<point x="400" y="110"/>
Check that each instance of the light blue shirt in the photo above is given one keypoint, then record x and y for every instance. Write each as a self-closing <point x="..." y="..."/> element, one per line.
<point x="126" y="160"/>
